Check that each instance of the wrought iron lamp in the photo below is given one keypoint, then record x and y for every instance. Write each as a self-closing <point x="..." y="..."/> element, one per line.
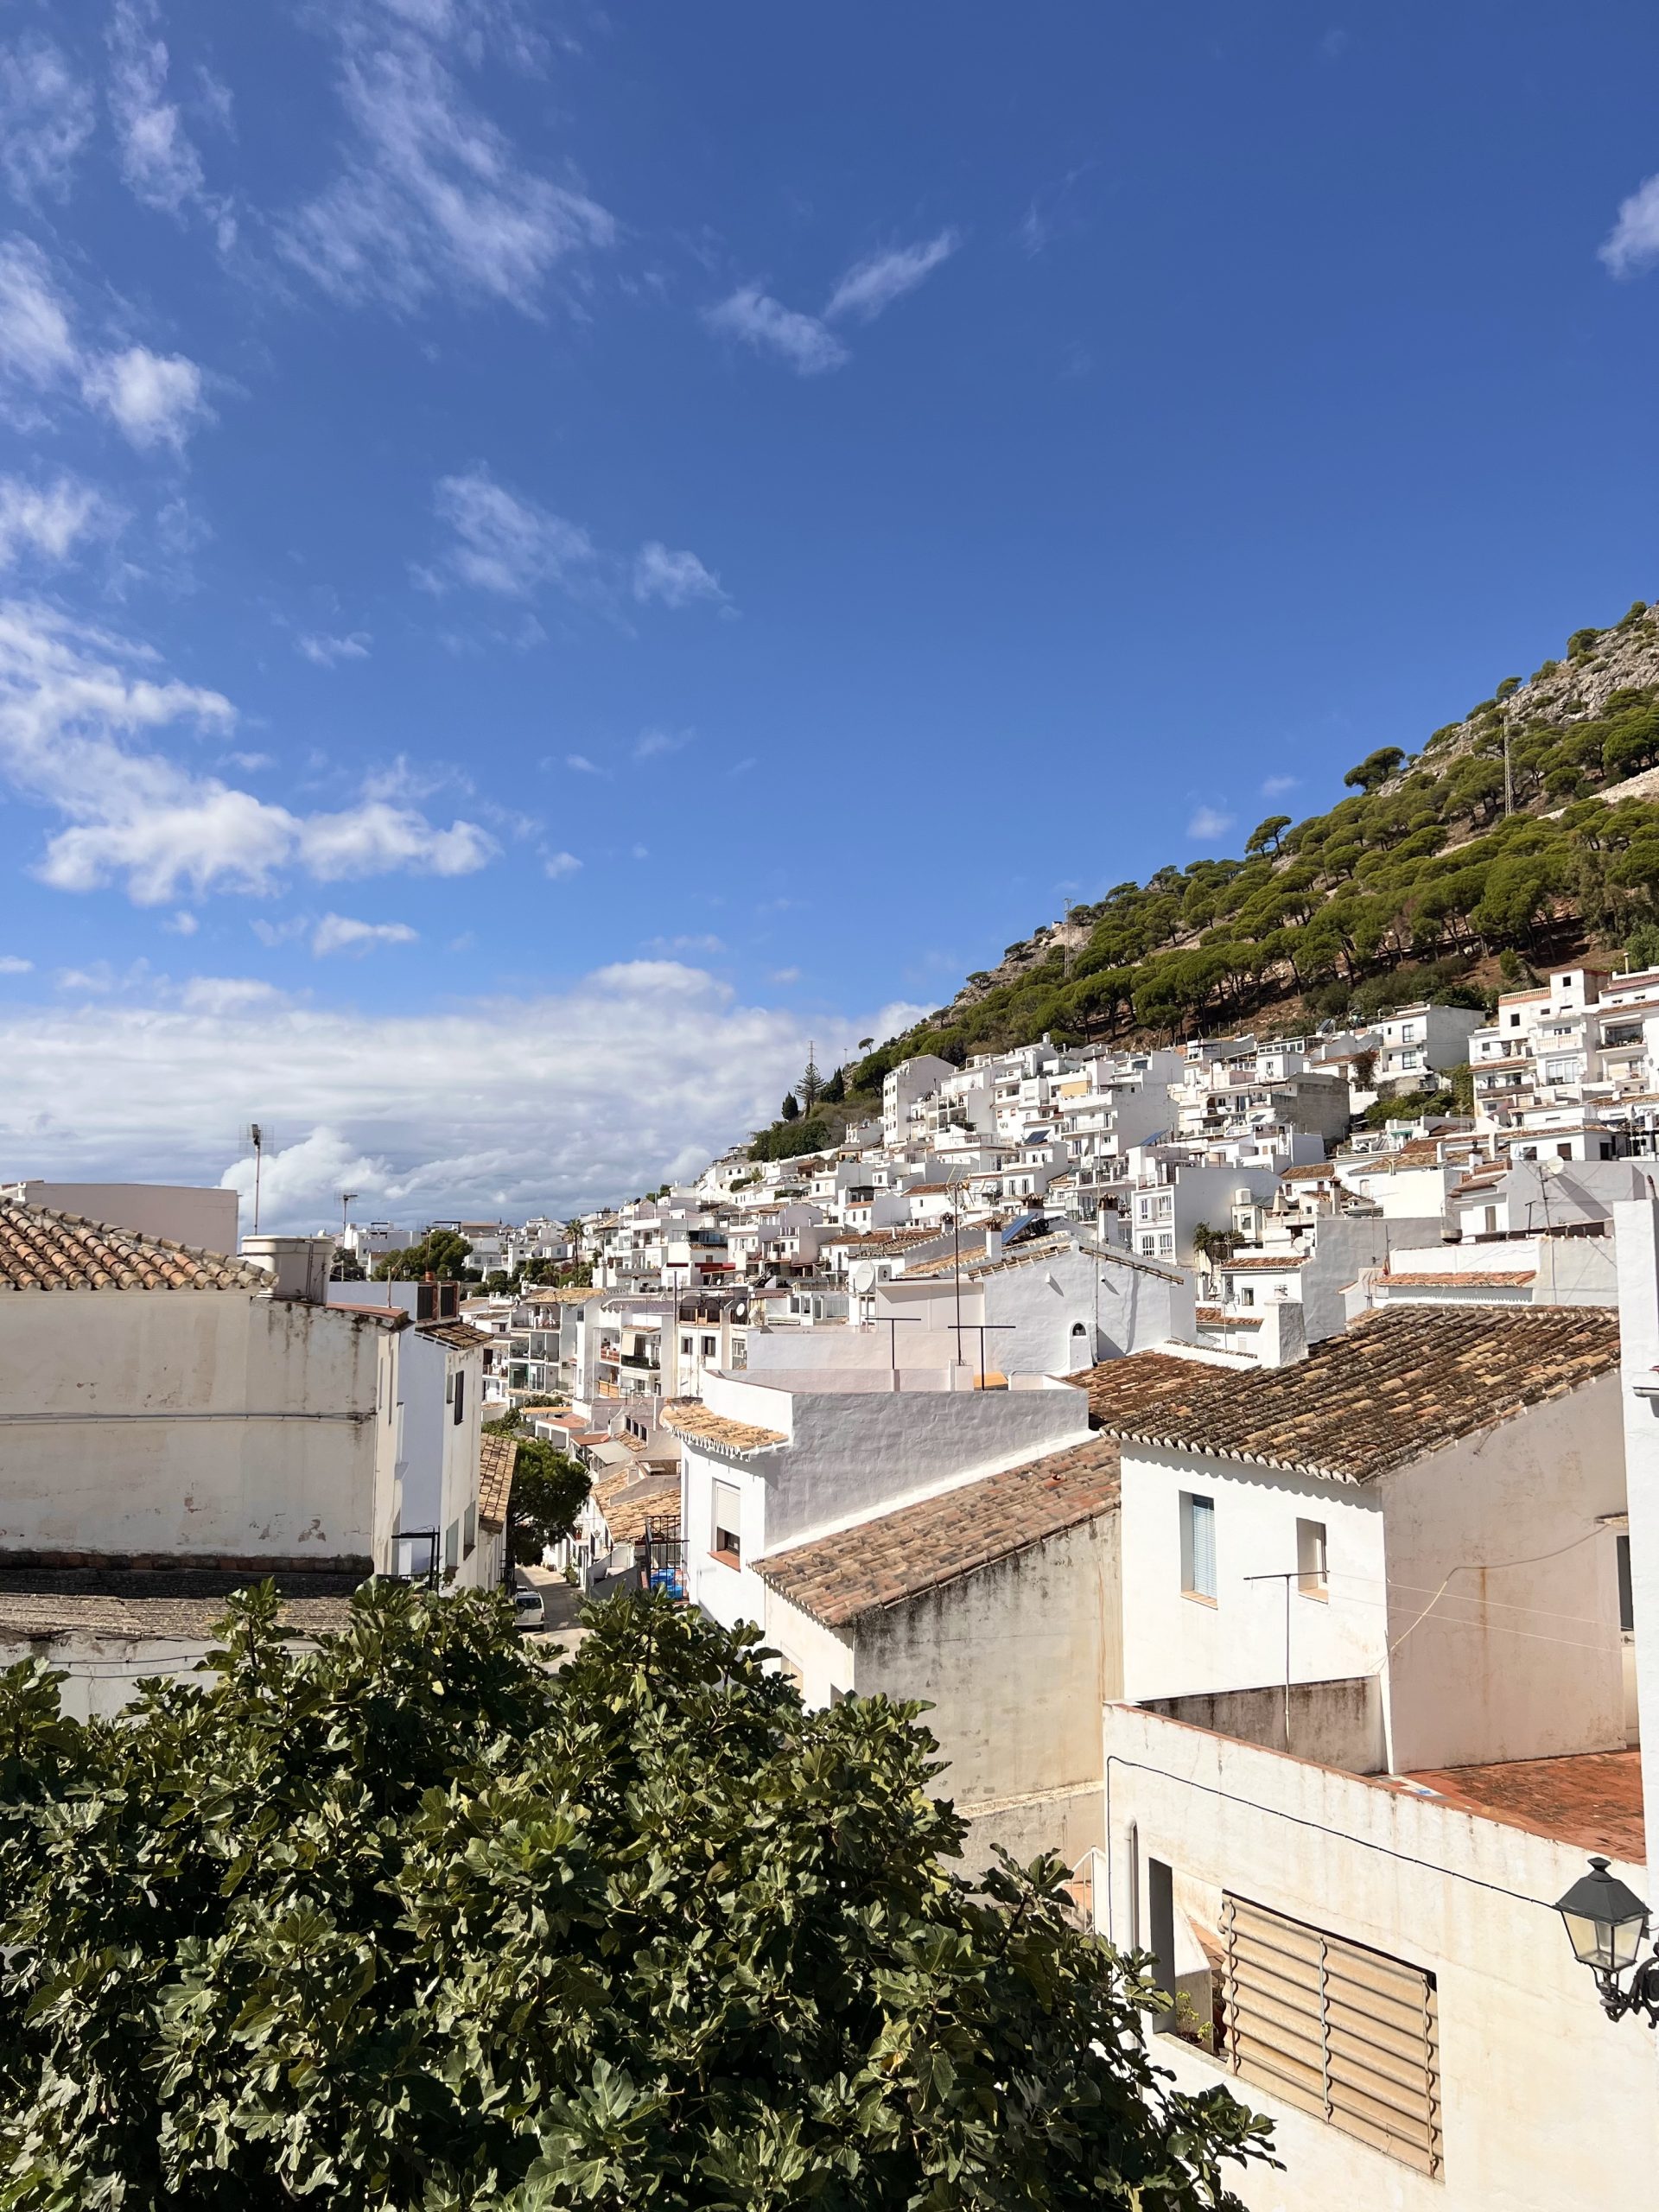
<point x="1606" y="1924"/>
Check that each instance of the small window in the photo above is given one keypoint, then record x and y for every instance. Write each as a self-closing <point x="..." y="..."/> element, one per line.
<point x="452" y="1548"/>
<point x="685" y="1346"/>
<point x="710" y="1346"/>
<point x="469" y="1538"/>
<point x="461" y="1398"/>
<point x="728" y="1546"/>
<point x="1312" y="1573"/>
<point x="1198" y="1547"/>
<point x="1160" y="1924"/>
<point x="1626" y="1605"/>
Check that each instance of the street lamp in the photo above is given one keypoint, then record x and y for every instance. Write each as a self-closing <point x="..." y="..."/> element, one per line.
<point x="1605" y="1923"/>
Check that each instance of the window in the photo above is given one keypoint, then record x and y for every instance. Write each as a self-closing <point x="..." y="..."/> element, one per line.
<point x="1160" y="1924"/>
<point x="1342" y="2031"/>
<point x="469" y="1537"/>
<point x="1626" y="1604"/>
<point x="727" y="1545"/>
<point x="461" y="1397"/>
<point x="452" y="1548"/>
<point x="1167" y="1242"/>
<point x="1311" y="1569"/>
<point x="710" y="1346"/>
<point x="685" y="1346"/>
<point x="1198" y="1547"/>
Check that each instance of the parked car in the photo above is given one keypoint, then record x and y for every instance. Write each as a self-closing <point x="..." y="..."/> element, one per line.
<point x="527" y="1610"/>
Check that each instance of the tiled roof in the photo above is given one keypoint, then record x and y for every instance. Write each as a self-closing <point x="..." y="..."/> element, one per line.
<point x="628" y="1499"/>
<point x="920" y="1548"/>
<point x="183" y="1602"/>
<point x="1475" y="1279"/>
<point x="497" y="1457"/>
<point x="1590" y="1798"/>
<point x="1046" y="1247"/>
<point x="43" y="1249"/>
<point x="566" y="1295"/>
<point x="887" y="1239"/>
<point x="460" y="1336"/>
<point x="1264" y="1262"/>
<point x="689" y="1417"/>
<point x="1398" y="1384"/>
<point x="1218" y="1317"/>
<point x="1313" y="1171"/>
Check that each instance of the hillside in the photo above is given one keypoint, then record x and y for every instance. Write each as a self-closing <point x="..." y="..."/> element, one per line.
<point x="1430" y="879"/>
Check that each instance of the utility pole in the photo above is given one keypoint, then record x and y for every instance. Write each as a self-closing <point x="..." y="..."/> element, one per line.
<point x="258" y="1137"/>
<point x="348" y="1200"/>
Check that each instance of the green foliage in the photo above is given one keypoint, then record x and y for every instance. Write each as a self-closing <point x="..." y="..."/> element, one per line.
<point x="413" y="1923"/>
<point x="836" y="1090"/>
<point x="442" y="1253"/>
<point x="1376" y="768"/>
<point x="1266" y="834"/>
<point x="790" y="1140"/>
<point x="1580" y="642"/>
<point x="790" y="1108"/>
<point x="549" y="1490"/>
<point x="1642" y="946"/>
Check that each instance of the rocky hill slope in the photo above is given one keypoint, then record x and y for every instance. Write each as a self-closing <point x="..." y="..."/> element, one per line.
<point x="1516" y="834"/>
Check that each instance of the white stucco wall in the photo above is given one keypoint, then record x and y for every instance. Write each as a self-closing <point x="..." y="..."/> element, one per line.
<point x="1175" y="1645"/>
<point x="1636" y="1235"/>
<point x="1545" y="2105"/>
<point x="185" y="1424"/>
<point x="1520" y="1656"/>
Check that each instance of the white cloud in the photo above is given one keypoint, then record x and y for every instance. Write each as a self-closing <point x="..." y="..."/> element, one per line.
<point x="1208" y="824"/>
<point x="582" y="764"/>
<point x="559" y="864"/>
<point x="11" y="964"/>
<point x="758" y="319"/>
<point x="36" y="345"/>
<point x="432" y="195"/>
<point x="677" y="579"/>
<point x="226" y="994"/>
<point x="571" y="1098"/>
<point x="785" y="976"/>
<point x="158" y="161"/>
<point x="876" y="282"/>
<point x="46" y="118"/>
<point x="155" y="398"/>
<point x="340" y="933"/>
<point x="328" y="652"/>
<point x="677" y="946"/>
<point x="654" y="743"/>
<point x="1632" y="245"/>
<point x="79" y="714"/>
<point x="46" y="522"/>
<point x="1276" y="787"/>
<point x="183" y="924"/>
<point x="510" y="545"/>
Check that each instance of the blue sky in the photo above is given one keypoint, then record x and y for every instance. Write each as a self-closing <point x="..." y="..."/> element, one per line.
<point x="550" y="557"/>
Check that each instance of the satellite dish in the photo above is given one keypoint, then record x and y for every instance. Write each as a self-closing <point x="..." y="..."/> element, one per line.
<point x="864" y="1276"/>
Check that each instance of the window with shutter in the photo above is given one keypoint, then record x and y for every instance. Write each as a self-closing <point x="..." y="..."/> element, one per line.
<point x="728" y="1524"/>
<point x="1334" y="2028"/>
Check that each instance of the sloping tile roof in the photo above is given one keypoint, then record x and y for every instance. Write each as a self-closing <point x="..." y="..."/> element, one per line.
<point x="1398" y="1384"/>
<point x="43" y="1249"/>
<point x="920" y="1548"/>
<point x="181" y="1602"/>
<point x="497" y="1458"/>
<point x="690" y="1417"/>
<point x="1509" y="1279"/>
<point x="566" y="1296"/>
<point x="1267" y="1261"/>
<point x="628" y="1499"/>
<point x="460" y="1336"/>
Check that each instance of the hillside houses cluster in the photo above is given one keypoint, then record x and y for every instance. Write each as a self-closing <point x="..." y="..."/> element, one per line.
<point x="1261" y="1496"/>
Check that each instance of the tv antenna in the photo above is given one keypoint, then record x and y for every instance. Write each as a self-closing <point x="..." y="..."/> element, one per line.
<point x="259" y="1134"/>
<point x="347" y="1199"/>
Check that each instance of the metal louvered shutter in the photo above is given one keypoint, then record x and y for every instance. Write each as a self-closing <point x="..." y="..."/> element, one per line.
<point x="1338" y="2029"/>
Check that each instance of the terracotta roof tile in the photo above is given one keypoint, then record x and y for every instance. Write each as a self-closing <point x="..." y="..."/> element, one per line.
<point x="460" y="1336"/>
<point x="1590" y="1798"/>
<point x="43" y="1249"/>
<point x="689" y="1417"/>
<point x="629" y="1498"/>
<point x="1475" y="1279"/>
<point x="497" y="1458"/>
<point x="1265" y="1260"/>
<point x="1398" y="1384"/>
<point x="920" y="1548"/>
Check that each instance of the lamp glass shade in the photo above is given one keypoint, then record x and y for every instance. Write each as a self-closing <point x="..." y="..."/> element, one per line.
<point x="1605" y="1921"/>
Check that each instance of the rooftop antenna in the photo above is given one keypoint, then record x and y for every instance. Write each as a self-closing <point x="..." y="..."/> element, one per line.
<point x="347" y="1199"/>
<point x="258" y="1134"/>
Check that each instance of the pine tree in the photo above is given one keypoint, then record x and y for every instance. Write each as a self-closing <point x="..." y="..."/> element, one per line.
<point x="811" y="1086"/>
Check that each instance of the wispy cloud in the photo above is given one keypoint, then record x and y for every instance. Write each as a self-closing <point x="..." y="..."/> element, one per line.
<point x="12" y="964"/>
<point x="82" y="714"/>
<point x="153" y="398"/>
<point x="558" y="865"/>
<point x="876" y="282"/>
<point x="342" y="933"/>
<point x="328" y="652"/>
<point x="47" y="115"/>
<point x="676" y="579"/>
<point x="654" y="743"/>
<point x="785" y="976"/>
<point x="582" y="764"/>
<point x="509" y="544"/>
<point x="754" y="318"/>
<point x="227" y="994"/>
<point x="47" y="522"/>
<point x="161" y="166"/>
<point x="1209" y="823"/>
<point x="432" y="195"/>
<point x="1276" y="787"/>
<point x="677" y="945"/>
<point x="1632" y="245"/>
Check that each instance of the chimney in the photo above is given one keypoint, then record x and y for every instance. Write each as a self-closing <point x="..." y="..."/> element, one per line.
<point x="993" y="1244"/>
<point x="298" y="1265"/>
<point x="1283" y="1338"/>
